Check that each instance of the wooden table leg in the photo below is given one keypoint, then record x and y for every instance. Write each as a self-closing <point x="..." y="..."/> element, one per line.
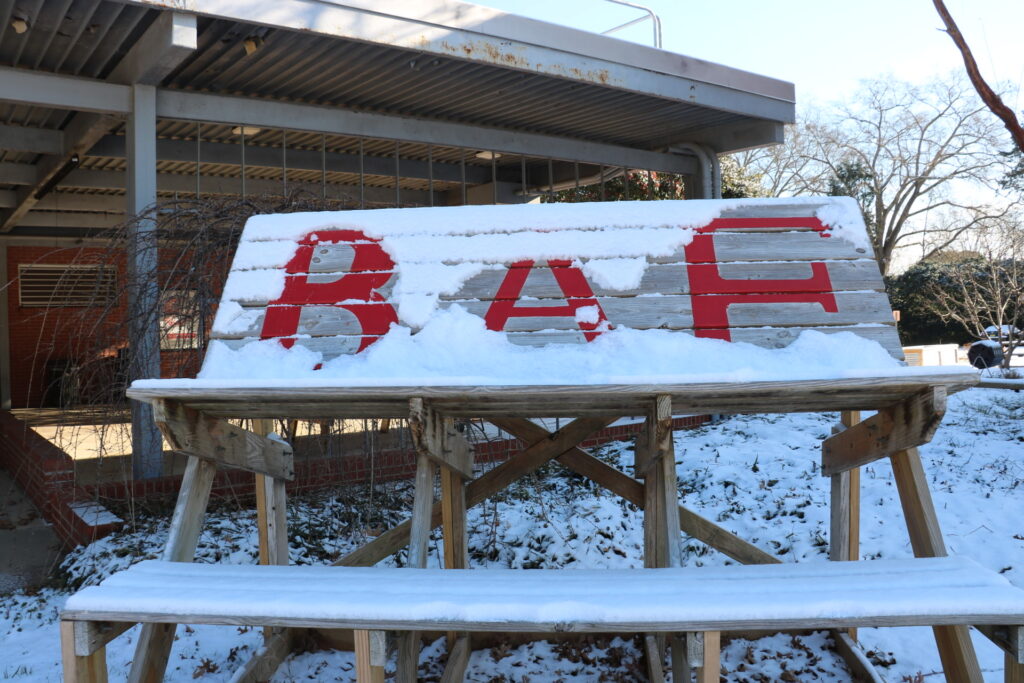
<point x="954" y="642"/>
<point x="89" y="669"/>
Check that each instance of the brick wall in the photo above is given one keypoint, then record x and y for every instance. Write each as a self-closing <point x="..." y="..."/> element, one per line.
<point x="46" y="473"/>
<point x="42" y="338"/>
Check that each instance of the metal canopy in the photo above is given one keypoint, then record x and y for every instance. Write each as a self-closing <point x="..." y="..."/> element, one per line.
<point x="445" y="79"/>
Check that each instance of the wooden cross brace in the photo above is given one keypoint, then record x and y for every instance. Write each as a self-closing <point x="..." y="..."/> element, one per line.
<point x="909" y="424"/>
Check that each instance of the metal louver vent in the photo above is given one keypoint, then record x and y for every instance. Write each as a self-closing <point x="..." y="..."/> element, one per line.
<point x="65" y="285"/>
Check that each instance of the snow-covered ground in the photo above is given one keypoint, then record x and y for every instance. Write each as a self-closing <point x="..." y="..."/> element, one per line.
<point x="756" y="475"/>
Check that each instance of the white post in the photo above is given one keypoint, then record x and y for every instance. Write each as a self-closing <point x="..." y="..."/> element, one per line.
<point x="143" y="291"/>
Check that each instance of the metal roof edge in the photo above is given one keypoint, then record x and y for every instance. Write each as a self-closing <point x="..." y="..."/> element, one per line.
<point x="467" y="31"/>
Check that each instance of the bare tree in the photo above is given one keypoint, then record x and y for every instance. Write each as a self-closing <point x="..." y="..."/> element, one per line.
<point x="984" y="292"/>
<point x="903" y="151"/>
<point x="991" y="98"/>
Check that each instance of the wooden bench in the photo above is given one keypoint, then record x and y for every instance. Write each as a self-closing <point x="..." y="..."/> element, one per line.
<point x="309" y="288"/>
<point x="926" y="592"/>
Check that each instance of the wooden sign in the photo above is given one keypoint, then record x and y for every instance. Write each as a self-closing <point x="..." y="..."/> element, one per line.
<point x="759" y="273"/>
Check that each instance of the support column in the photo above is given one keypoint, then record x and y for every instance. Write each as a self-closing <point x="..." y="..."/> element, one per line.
<point x="5" y="336"/>
<point x="143" y="288"/>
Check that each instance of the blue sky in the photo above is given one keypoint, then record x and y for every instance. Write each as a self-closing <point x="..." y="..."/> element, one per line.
<point x="823" y="46"/>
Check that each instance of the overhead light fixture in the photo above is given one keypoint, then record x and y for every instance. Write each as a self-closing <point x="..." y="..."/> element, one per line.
<point x="487" y="154"/>
<point x="245" y="130"/>
<point x="251" y="44"/>
<point x="19" y="22"/>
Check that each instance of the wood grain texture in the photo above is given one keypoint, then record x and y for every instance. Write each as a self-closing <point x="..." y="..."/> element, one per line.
<point x="421" y="521"/>
<point x="1009" y="638"/>
<point x="908" y="424"/>
<point x="368" y="667"/>
<point x="194" y="434"/>
<point x="90" y="636"/>
<point x="867" y="393"/>
<point x="954" y="642"/>
<point x="430" y="438"/>
<point x="768" y="336"/>
<point x="458" y="659"/>
<point x="710" y="667"/>
<point x="91" y="668"/>
<point x="260" y="667"/>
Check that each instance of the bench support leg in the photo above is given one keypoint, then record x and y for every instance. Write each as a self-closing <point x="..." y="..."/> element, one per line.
<point x="458" y="658"/>
<point x="959" y="662"/>
<point x="844" y="531"/>
<point x="89" y="669"/>
<point x="456" y="541"/>
<point x="419" y="534"/>
<point x="656" y="462"/>
<point x="371" y="655"/>
<point x="1014" y="670"/>
<point x="154" y="646"/>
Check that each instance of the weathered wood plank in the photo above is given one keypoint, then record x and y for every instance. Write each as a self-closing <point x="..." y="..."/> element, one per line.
<point x="708" y="672"/>
<point x="421" y="521"/>
<point x="909" y="424"/>
<point x="430" y="438"/>
<point x="1009" y="638"/>
<point x="370" y="656"/>
<point x="770" y="336"/>
<point x="669" y="311"/>
<point x="90" y="636"/>
<point x="857" y="662"/>
<point x="768" y="245"/>
<point x="653" y="658"/>
<point x="154" y="644"/>
<point x="662" y="278"/>
<point x="194" y="434"/>
<point x="91" y="668"/>
<point x="458" y="658"/>
<point x="954" y="642"/>
<point x="867" y="393"/>
<point x="265" y="660"/>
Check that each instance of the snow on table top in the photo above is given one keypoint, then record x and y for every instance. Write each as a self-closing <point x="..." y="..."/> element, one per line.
<point x="865" y="591"/>
<point x="456" y="349"/>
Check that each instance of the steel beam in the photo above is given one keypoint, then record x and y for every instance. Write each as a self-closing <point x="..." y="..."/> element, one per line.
<point x="17" y="174"/>
<point x="218" y="185"/>
<point x="41" y="89"/>
<point x="143" y="290"/>
<point x="299" y="159"/>
<point x="71" y="219"/>
<point x="31" y="140"/>
<point x="191" y="106"/>
<point x="164" y="45"/>
<point x="470" y="33"/>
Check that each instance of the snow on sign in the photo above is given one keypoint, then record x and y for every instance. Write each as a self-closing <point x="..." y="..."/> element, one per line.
<point x="757" y="271"/>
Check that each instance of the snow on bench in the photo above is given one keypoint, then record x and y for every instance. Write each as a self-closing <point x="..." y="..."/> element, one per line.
<point x="926" y="591"/>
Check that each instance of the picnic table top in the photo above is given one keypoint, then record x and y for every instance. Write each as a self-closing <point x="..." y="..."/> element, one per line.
<point x="329" y="398"/>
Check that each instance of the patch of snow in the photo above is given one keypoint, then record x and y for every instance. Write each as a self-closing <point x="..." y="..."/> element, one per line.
<point x="94" y="514"/>
<point x="456" y="349"/>
<point x="616" y="273"/>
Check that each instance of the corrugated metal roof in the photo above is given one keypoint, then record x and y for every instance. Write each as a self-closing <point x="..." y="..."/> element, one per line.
<point x="88" y="38"/>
